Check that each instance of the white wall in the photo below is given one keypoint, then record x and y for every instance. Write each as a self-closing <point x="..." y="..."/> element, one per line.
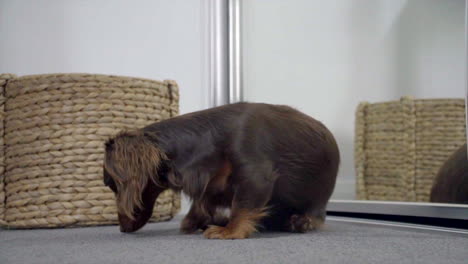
<point x="320" y="56"/>
<point x="324" y="57"/>
<point x="153" y="39"/>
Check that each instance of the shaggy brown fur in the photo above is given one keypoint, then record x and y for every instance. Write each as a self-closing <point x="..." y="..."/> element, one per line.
<point x="244" y="157"/>
<point x="133" y="160"/>
<point x="451" y="183"/>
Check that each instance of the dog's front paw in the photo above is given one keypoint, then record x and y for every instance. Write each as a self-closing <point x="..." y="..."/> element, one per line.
<point x="220" y="232"/>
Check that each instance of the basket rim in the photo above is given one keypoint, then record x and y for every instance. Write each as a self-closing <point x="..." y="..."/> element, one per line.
<point x="84" y="74"/>
<point x="423" y="100"/>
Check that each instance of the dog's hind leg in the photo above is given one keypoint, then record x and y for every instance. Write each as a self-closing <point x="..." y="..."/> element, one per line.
<point x="301" y="223"/>
<point x="285" y="218"/>
<point x="278" y="215"/>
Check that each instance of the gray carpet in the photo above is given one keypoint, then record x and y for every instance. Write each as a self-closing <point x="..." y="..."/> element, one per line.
<point x="339" y="242"/>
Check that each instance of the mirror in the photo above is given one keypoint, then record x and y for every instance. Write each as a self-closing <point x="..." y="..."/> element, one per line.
<point x="386" y="77"/>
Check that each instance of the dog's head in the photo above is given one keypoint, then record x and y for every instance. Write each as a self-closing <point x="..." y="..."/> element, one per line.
<point x="132" y="165"/>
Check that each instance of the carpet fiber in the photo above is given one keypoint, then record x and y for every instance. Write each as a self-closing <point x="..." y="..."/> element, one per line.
<point x="338" y="242"/>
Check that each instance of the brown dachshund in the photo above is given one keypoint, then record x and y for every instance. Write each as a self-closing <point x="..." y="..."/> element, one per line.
<point x="272" y="166"/>
<point x="451" y="182"/>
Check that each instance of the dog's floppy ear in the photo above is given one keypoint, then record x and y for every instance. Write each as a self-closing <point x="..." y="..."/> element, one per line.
<point x="132" y="158"/>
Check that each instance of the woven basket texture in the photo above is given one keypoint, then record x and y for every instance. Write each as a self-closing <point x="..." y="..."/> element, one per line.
<point x="53" y="133"/>
<point x="400" y="146"/>
<point x="3" y="81"/>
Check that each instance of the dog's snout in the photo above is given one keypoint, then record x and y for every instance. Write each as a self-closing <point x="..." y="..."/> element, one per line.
<point x="127" y="229"/>
<point x="128" y="225"/>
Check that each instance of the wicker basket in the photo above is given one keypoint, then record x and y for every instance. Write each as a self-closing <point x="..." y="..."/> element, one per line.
<point x="3" y="81"/>
<point x="400" y="146"/>
<point x="52" y="145"/>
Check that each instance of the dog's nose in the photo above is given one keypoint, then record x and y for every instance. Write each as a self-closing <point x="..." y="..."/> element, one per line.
<point x="126" y="229"/>
<point x="128" y="225"/>
<point x="131" y="226"/>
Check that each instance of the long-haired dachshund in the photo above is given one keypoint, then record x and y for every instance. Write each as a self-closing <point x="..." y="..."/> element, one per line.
<point x="451" y="182"/>
<point x="272" y="166"/>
